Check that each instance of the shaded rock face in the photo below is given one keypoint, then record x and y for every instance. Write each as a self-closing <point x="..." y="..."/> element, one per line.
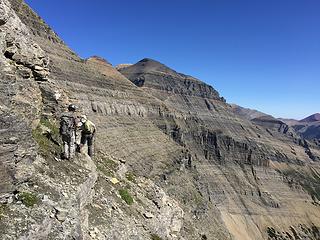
<point x="172" y="159"/>
<point x="311" y="131"/>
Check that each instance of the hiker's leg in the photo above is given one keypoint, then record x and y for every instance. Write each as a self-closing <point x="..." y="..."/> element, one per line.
<point x="82" y="141"/>
<point x="72" y="146"/>
<point x="65" y="142"/>
<point x="90" y="145"/>
<point x="65" y="149"/>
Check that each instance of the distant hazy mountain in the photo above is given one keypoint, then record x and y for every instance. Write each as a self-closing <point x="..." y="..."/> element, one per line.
<point x="264" y="120"/>
<point x="312" y="118"/>
<point x="308" y="127"/>
<point x="290" y="122"/>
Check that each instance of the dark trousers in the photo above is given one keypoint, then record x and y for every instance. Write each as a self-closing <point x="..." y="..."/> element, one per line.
<point x="87" y="138"/>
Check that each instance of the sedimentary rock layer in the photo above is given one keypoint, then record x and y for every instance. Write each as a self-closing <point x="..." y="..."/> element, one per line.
<point x="172" y="159"/>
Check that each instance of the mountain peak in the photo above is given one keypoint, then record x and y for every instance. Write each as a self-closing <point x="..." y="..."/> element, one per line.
<point x="312" y="118"/>
<point x="149" y="60"/>
<point x="149" y="65"/>
<point x="155" y="75"/>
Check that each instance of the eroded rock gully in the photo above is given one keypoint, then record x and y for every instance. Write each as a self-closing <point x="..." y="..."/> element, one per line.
<point x="173" y="161"/>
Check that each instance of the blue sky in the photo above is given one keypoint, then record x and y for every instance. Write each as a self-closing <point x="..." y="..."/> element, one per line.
<point x="263" y="55"/>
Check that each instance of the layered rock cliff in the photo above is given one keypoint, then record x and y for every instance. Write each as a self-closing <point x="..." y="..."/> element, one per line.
<point x="172" y="160"/>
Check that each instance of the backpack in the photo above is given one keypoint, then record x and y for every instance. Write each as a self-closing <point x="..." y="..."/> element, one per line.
<point x="89" y="127"/>
<point x="67" y="125"/>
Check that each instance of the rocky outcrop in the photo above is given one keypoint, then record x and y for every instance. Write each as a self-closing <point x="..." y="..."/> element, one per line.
<point x="23" y="63"/>
<point x="59" y="208"/>
<point x="23" y="56"/>
<point x="151" y="213"/>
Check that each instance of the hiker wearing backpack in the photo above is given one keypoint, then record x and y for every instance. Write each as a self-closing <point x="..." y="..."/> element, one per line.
<point x="68" y="125"/>
<point x="88" y="130"/>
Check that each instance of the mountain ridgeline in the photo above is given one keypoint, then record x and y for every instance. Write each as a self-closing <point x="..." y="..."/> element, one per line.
<point x="172" y="159"/>
<point x="308" y="128"/>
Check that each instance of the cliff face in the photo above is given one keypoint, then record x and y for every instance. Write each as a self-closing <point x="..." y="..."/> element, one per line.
<point x="23" y="63"/>
<point x="172" y="159"/>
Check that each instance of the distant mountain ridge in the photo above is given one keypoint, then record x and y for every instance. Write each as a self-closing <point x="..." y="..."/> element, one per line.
<point x="266" y="121"/>
<point x="308" y="128"/>
<point x="247" y="113"/>
<point x="312" y="118"/>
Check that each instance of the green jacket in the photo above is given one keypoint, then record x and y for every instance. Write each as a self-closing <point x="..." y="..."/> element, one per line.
<point x="88" y="127"/>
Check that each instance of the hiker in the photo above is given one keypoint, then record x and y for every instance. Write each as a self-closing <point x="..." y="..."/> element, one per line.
<point x="88" y="130"/>
<point x="68" y="132"/>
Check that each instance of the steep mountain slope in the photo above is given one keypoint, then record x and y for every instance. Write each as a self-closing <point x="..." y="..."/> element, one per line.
<point x="187" y="166"/>
<point x="227" y="148"/>
<point x="123" y="114"/>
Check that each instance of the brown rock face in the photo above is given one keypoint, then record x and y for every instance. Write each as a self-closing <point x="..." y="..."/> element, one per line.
<point x="186" y="166"/>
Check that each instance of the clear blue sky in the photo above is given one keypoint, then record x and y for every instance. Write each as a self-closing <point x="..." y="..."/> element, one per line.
<point x="259" y="54"/>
